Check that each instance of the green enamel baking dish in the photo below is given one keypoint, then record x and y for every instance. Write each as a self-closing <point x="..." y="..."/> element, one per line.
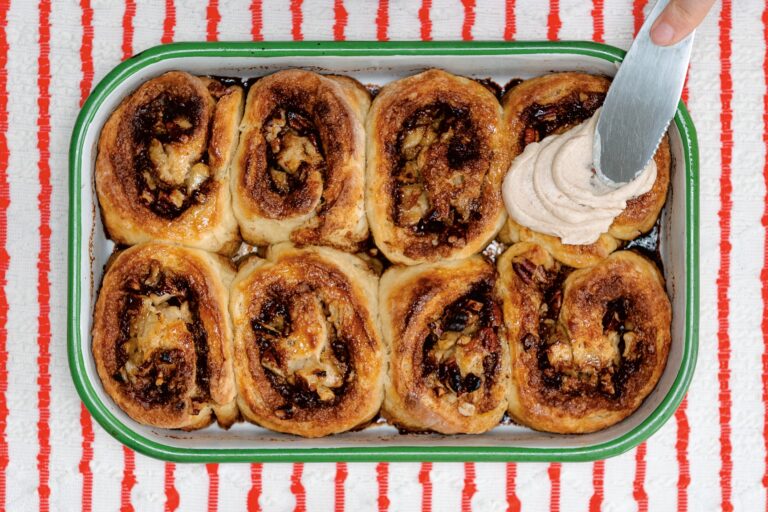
<point x="375" y="63"/>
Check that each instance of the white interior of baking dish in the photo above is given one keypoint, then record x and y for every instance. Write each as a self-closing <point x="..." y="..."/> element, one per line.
<point x="378" y="70"/>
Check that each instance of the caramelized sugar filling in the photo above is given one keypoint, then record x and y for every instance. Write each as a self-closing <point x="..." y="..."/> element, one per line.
<point x="573" y="368"/>
<point x="543" y="120"/>
<point x="302" y="349"/>
<point x="460" y="354"/>
<point x="437" y="183"/>
<point x="294" y="150"/>
<point x="171" y="175"/>
<point x="160" y="319"/>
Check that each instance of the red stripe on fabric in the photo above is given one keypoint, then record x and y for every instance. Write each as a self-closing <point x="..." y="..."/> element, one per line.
<point x="44" y="256"/>
<point x="86" y="428"/>
<point x="424" y="19"/>
<point x="86" y="50"/>
<point x="510" y="21"/>
<point x="340" y="16"/>
<point x="339" y="479"/>
<point x="256" y="20"/>
<point x="469" y="19"/>
<point x="426" y="486"/>
<point x="213" y="487"/>
<point x="553" y="20"/>
<point x="723" y="278"/>
<point x="637" y="13"/>
<point x="764" y="271"/>
<point x="296" y="19"/>
<point x="128" y="15"/>
<point x="86" y="423"/>
<point x="171" y="494"/>
<point x="513" y="502"/>
<point x="598" y="22"/>
<point x="169" y="23"/>
<point x="129" y="480"/>
<point x="382" y="478"/>
<point x="213" y="17"/>
<point x="681" y="447"/>
<point x="297" y="488"/>
<point x="5" y="200"/>
<point x="554" y="487"/>
<point x="382" y="21"/>
<point x="638" y="486"/>
<point x="255" y="493"/>
<point x="598" y="480"/>
<point x="470" y="488"/>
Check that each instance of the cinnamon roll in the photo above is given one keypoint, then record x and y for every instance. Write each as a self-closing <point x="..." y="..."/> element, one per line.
<point x="436" y="157"/>
<point x="162" y="170"/>
<point x="299" y="170"/>
<point x="588" y="345"/>
<point x="162" y="336"/>
<point x="309" y="357"/>
<point x="553" y="104"/>
<point x="449" y="368"/>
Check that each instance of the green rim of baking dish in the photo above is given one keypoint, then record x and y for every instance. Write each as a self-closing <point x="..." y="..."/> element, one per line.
<point x="136" y="441"/>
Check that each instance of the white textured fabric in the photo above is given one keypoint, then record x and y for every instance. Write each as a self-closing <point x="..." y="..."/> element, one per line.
<point x="649" y="477"/>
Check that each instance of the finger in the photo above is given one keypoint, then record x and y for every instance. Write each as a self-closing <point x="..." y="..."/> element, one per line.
<point x="678" y="20"/>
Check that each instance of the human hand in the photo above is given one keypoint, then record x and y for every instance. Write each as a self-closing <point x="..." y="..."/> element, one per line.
<point x="678" y="20"/>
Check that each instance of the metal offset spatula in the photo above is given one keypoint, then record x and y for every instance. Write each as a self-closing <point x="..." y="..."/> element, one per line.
<point x="640" y="104"/>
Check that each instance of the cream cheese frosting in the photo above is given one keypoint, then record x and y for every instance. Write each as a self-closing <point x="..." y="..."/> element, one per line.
<point x="552" y="187"/>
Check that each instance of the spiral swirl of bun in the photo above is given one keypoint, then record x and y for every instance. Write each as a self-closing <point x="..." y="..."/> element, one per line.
<point x="162" y="170"/>
<point x="310" y="360"/>
<point x="587" y="345"/>
<point x="450" y="366"/>
<point x="299" y="170"/>
<point x="436" y="158"/>
<point x="162" y="338"/>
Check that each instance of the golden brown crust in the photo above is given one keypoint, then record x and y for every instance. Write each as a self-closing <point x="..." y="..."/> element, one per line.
<point x="553" y="104"/>
<point x="436" y="158"/>
<point x="449" y="367"/>
<point x="162" y="170"/>
<point x="576" y="256"/>
<point x="587" y="346"/>
<point x="162" y="336"/>
<point x="310" y="360"/>
<point x="299" y="170"/>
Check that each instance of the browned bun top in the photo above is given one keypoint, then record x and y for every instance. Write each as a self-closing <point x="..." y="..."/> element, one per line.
<point x="162" y="336"/>
<point x="588" y="345"/>
<point x="162" y="170"/>
<point x="312" y="358"/>
<point x="438" y="161"/>
<point x="298" y="174"/>
<point x="163" y="127"/>
<point x="449" y="369"/>
<point x="282" y="177"/>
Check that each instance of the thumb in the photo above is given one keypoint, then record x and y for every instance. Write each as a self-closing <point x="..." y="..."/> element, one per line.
<point x="678" y="20"/>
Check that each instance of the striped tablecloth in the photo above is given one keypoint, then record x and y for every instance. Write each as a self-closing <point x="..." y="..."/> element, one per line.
<point x="711" y="455"/>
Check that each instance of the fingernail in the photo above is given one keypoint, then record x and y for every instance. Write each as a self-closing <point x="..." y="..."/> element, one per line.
<point x="662" y="34"/>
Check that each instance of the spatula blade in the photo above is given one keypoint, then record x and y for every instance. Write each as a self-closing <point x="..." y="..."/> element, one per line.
<point x="640" y="104"/>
